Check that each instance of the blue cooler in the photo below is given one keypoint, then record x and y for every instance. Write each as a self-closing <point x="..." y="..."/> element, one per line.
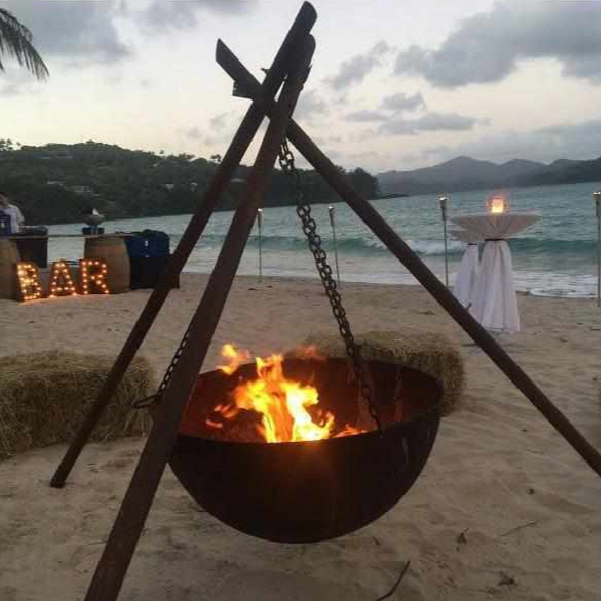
<point x="148" y="256"/>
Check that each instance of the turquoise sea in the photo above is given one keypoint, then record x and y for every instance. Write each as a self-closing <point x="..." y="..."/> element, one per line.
<point x="556" y="256"/>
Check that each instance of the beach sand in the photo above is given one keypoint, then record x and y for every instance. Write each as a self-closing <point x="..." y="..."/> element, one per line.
<point x="503" y="510"/>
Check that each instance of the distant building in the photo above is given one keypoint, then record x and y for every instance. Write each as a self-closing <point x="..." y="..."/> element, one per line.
<point x="54" y="155"/>
<point x="169" y="186"/>
<point x="82" y="190"/>
<point x="55" y="183"/>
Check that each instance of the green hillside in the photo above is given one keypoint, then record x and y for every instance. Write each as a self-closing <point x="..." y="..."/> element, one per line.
<point x="56" y="183"/>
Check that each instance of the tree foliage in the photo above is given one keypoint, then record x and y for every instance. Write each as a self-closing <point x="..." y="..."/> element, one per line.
<point x="17" y="41"/>
<point x="46" y="182"/>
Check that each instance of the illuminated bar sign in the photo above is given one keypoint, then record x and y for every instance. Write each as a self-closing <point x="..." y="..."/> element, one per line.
<point x="93" y="279"/>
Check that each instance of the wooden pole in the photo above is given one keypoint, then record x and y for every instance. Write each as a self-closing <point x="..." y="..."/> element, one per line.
<point x="112" y="567"/>
<point x="246" y="132"/>
<point x="597" y="199"/>
<point x="418" y="269"/>
<point x="443" y="207"/>
<point x="260" y="226"/>
<point x="333" y="224"/>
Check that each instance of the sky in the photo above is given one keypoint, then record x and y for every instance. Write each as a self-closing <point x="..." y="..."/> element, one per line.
<point x="394" y="84"/>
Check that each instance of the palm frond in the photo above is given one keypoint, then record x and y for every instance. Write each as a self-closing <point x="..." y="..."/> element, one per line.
<point x="16" y="40"/>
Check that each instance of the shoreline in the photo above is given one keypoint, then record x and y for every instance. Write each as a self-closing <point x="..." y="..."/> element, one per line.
<point x="501" y="494"/>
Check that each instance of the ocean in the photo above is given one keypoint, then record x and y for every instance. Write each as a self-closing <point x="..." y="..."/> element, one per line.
<point x="554" y="257"/>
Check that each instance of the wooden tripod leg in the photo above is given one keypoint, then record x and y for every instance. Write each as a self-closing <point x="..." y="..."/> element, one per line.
<point x="403" y="252"/>
<point x="110" y="572"/>
<point x="242" y="139"/>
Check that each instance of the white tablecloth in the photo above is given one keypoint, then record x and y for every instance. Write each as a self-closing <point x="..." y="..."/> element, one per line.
<point x="494" y="302"/>
<point x="467" y="276"/>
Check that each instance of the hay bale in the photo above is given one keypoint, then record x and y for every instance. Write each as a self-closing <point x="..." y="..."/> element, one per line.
<point x="45" y="396"/>
<point x="430" y="352"/>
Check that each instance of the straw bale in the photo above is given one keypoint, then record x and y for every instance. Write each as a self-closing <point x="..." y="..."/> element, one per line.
<point x="44" y="397"/>
<point x="430" y="352"/>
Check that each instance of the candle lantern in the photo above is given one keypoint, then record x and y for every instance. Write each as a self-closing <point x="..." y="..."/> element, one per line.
<point x="497" y="204"/>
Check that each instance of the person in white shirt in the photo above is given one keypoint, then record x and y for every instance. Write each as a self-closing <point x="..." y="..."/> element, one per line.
<point x="16" y="217"/>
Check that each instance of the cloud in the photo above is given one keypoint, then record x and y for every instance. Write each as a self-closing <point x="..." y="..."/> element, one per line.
<point x="431" y="122"/>
<point x="193" y="132"/>
<point x="218" y="129"/>
<point x="17" y="82"/>
<point x="390" y="107"/>
<point x="87" y="31"/>
<point x="74" y="29"/>
<point x="487" y="47"/>
<point x="357" y="68"/>
<point x="163" y="16"/>
<point x="309" y="106"/>
<point x="566" y="140"/>
<point x="176" y="15"/>
<point x="326" y="140"/>
<point x="447" y="122"/>
<point x="402" y="102"/>
<point x="367" y="116"/>
<point x="12" y="89"/>
<point x="225" y="6"/>
<point x="219" y="121"/>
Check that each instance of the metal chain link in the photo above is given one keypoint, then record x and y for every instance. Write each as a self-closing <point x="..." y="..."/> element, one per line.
<point x="303" y="210"/>
<point x="155" y="399"/>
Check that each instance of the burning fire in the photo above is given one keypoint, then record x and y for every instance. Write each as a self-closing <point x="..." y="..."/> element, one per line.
<point x="282" y="403"/>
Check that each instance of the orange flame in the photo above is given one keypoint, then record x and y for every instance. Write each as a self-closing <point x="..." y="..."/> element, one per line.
<point x="235" y="358"/>
<point x="282" y="403"/>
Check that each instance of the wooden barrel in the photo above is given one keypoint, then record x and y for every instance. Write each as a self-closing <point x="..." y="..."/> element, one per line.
<point x="113" y="250"/>
<point x="9" y="257"/>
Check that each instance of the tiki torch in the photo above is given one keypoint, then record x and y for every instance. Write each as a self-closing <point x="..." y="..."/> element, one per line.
<point x="260" y="224"/>
<point x="333" y="223"/>
<point x="597" y="199"/>
<point x="443" y="208"/>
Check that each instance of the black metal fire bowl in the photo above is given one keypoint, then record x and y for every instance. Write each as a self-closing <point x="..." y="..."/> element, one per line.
<point x="304" y="492"/>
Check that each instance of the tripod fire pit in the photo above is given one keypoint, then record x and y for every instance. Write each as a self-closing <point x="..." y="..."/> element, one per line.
<point x="389" y="456"/>
<point x="310" y="490"/>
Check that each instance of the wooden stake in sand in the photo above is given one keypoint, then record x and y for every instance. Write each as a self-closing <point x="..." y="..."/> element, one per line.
<point x="333" y="224"/>
<point x="597" y="199"/>
<point x="443" y="208"/>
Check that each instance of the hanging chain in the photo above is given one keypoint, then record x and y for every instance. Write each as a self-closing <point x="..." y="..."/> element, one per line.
<point x="303" y="210"/>
<point x="155" y="399"/>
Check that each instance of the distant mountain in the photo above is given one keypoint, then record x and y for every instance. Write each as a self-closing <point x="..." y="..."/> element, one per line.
<point x="465" y="173"/>
<point x="564" y="171"/>
<point x="518" y="168"/>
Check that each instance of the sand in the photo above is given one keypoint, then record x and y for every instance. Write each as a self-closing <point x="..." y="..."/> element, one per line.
<point x="503" y="510"/>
